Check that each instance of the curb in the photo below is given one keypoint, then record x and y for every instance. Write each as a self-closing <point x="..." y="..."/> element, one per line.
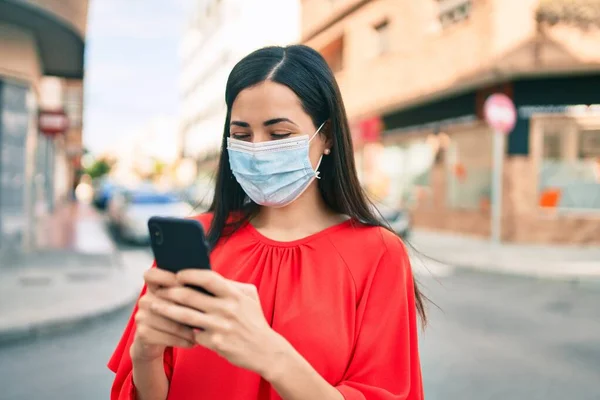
<point x="113" y="257"/>
<point x="61" y="325"/>
<point x="591" y="281"/>
<point x="587" y="279"/>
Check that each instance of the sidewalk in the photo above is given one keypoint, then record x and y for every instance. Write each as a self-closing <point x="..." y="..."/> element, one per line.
<point x="77" y="275"/>
<point x="541" y="261"/>
<point x="74" y="227"/>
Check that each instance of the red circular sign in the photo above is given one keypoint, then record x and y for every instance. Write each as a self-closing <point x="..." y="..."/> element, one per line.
<point x="500" y="113"/>
<point x="52" y="123"/>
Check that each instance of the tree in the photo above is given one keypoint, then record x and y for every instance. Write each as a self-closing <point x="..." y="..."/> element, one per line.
<point x="98" y="169"/>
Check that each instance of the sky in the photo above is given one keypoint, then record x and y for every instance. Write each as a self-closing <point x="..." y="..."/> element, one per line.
<point x="132" y="66"/>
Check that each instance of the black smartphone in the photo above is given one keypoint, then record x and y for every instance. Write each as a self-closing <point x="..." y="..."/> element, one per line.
<point x="179" y="244"/>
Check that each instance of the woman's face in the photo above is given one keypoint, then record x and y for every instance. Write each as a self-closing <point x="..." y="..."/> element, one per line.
<point x="271" y="111"/>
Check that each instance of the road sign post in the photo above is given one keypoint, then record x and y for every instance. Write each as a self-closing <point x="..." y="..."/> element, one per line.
<point x="501" y="115"/>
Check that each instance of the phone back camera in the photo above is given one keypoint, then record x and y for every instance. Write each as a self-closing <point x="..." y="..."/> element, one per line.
<point x="157" y="235"/>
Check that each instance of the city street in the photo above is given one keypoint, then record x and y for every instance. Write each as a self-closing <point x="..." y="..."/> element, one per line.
<point x="495" y="337"/>
<point x="477" y="141"/>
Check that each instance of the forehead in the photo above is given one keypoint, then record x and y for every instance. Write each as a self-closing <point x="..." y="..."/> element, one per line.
<point x="266" y="100"/>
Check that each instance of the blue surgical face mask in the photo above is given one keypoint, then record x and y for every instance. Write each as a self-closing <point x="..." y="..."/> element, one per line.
<point x="273" y="173"/>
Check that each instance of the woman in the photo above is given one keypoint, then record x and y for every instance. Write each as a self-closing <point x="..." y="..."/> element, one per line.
<point x="313" y="298"/>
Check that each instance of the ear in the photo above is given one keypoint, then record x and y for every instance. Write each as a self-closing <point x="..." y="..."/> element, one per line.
<point x="327" y="135"/>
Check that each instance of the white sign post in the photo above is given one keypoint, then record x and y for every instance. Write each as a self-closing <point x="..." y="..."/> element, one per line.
<point x="501" y="115"/>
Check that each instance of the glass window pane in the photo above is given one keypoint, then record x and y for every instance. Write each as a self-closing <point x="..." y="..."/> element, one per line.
<point x="469" y="170"/>
<point x="570" y="180"/>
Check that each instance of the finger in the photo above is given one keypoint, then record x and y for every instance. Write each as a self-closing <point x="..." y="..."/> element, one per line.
<point x="211" y="340"/>
<point x="191" y="298"/>
<point x="156" y="277"/>
<point x="210" y="306"/>
<point x="160" y="323"/>
<point x="154" y="337"/>
<point x="208" y="280"/>
<point x="185" y="315"/>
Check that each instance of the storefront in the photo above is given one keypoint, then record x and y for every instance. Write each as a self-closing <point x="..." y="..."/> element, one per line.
<point x="14" y="127"/>
<point x="437" y="160"/>
<point x="41" y="41"/>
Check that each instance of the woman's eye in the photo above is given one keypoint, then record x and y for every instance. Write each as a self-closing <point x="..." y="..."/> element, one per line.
<point x="280" y="135"/>
<point x="240" y="136"/>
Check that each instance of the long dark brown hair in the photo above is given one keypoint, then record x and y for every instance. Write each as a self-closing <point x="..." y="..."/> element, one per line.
<point x="304" y="71"/>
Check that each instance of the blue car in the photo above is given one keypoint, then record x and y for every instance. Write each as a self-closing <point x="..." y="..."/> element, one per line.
<point x="103" y="193"/>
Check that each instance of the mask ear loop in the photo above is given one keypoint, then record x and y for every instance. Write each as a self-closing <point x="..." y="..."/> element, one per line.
<point x="315" y="134"/>
<point x="317" y="172"/>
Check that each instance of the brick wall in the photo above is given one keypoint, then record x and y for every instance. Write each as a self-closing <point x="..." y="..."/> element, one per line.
<point x="317" y="14"/>
<point x="499" y="40"/>
<point x="523" y="221"/>
<point x="526" y="222"/>
<point x="436" y="214"/>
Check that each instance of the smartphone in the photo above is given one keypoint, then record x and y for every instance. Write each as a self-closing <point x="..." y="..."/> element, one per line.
<point x="179" y="244"/>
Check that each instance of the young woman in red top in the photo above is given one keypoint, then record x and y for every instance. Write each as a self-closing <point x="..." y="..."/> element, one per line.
<point x="314" y="299"/>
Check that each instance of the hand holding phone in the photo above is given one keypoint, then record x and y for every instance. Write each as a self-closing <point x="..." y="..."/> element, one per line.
<point x="179" y="244"/>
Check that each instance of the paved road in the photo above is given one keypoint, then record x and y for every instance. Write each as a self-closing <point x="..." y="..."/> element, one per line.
<point x="495" y="338"/>
<point x="71" y="365"/>
<point x="66" y="367"/>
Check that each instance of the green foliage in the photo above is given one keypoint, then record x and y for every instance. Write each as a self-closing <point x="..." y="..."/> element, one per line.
<point x="98" y="169"/>
<point x="159" y="168"/>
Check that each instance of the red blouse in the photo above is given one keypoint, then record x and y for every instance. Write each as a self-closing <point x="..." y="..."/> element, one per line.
<point x="342" y="297"/>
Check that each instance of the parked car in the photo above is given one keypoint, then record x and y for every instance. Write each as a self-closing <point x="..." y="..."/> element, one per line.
<point x="103" y="192"/>
<point x="129" y="212"/>
<point x="397" y="219"/>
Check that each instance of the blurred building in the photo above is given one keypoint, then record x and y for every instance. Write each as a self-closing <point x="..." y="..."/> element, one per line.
<point x="414" y="76"/>
<point x="218" y="35"/>
<point x="41" y="71"/>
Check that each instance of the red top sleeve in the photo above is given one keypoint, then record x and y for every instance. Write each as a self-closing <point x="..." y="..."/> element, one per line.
<point x="385" y="362"/>
<point x="120" y="362"/>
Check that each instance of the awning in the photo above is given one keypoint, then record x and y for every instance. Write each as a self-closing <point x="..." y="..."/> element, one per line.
<point x="61" y="47"/>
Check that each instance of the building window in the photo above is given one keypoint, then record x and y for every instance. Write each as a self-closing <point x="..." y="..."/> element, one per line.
<point x="383" y="37"/>
<point x="453" y="11"/>
<point x="469" y="170"/>
<point x="551" y="146"/>
<point x="569" y="177"/>
<point x="14" y="125"/>
<point x="334" y="54"/>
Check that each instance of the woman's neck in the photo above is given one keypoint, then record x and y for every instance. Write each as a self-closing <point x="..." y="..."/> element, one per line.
<point x="307" y="213"/>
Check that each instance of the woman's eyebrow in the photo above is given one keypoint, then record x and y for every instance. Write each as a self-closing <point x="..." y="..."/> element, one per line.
<point x="240" y="124"/>
<point x="278" y="120"/>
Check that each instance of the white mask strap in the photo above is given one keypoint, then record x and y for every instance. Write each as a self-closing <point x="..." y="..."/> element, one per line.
<point x="317" y="172"/>
<point x="315" y="134"/>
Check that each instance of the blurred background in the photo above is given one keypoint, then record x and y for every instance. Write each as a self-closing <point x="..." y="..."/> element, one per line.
<point x="112" y="111"/>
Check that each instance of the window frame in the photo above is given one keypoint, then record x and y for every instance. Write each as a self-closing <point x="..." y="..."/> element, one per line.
<point x="539" y="124"/>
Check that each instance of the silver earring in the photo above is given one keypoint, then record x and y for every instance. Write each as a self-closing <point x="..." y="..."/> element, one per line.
<point x="327" y="151"/>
